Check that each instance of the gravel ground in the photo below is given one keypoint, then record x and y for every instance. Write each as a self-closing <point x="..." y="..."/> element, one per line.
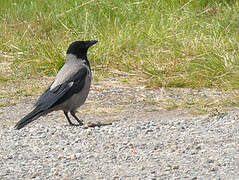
<point x="143" y="142"/>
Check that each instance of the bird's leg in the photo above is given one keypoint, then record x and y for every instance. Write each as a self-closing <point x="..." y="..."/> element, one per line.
<point x="74" y="115"/>
<point x="67" y="117"/>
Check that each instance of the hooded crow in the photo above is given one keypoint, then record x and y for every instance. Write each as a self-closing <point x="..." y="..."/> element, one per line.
<point x="70" y="88"/>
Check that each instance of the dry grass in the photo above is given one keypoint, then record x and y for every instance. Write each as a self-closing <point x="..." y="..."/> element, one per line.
<point x="190" y="44"/>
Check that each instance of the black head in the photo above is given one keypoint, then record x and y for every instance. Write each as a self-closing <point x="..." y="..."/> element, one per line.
<point x="79" y="48"/>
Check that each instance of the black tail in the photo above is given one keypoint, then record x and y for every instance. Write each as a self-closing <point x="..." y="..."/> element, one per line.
<point x="29" y="118"/>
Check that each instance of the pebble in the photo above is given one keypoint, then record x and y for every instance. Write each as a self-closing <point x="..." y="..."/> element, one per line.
<point x="145" y="148"/>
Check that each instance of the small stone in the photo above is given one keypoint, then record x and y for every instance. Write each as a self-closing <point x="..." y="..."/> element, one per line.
<point x="210" y="161"/>
<point x="193" y="152"/>
<point x="142" y="168"/>
<point x="198" y="147"/>
<point x="60" y="156"/>
<point x="148" y="131"/>
<point x="36" y="174"/>
<point x="78" y="155"/>
<point x="9" y="157"/>
<point x="73" y="157"/>
<point x="214" y="169"/>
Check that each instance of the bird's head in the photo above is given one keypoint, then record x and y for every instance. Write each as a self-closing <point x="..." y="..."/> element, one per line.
<point x="79" y="48"/>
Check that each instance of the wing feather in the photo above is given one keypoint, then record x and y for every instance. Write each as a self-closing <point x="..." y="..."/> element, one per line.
<point x="63" y="91"/>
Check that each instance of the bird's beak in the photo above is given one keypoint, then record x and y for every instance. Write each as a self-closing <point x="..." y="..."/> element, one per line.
<point x="92" y="42"/>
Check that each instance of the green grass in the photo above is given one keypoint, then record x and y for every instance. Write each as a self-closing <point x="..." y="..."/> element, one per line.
<point x="177" y="43"/>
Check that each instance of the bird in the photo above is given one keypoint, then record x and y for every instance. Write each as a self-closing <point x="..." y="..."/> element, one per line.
<point x="70" y="88"/>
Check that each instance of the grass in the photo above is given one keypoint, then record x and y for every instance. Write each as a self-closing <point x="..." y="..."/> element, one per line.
<point x="214" y="102"/>
<point x="177" y="43"/>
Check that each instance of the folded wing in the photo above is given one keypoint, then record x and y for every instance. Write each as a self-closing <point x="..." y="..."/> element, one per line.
<point x="60" y="93"/>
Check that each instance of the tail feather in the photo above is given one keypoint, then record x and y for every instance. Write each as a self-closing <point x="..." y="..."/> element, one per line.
<point x="29" y="118"/>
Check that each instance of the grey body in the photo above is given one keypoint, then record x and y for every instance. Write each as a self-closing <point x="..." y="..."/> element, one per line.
<point x="70" y="88"/>
<point x="78" y="99"/>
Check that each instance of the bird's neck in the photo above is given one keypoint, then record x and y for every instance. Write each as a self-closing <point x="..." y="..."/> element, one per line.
<point x="78" y="59"/>
<point x="87" y="63"/>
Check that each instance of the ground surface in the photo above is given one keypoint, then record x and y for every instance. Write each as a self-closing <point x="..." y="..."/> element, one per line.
<point x="145" y="141"/>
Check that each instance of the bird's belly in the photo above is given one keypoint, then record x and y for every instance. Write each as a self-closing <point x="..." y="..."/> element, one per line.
<point x="76" y="100"/>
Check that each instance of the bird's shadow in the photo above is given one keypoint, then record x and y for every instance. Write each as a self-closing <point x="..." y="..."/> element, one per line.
<point x="91" y="125"/>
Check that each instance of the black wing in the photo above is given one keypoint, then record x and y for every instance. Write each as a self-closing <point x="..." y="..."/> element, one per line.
<point x="63" y="91"/>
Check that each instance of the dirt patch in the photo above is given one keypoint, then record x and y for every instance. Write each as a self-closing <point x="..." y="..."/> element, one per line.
<point x="113" y="101"/>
